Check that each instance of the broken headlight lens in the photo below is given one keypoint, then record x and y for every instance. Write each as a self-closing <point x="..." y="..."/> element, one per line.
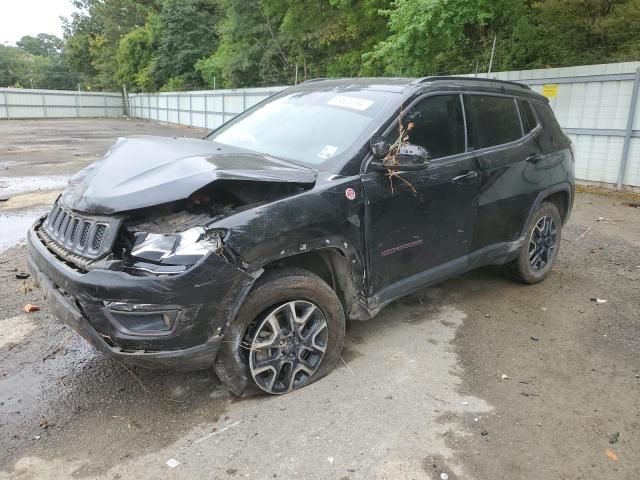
<point x="179" y="249"/>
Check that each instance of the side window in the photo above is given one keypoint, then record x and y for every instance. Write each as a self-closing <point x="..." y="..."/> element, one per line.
<point x="529" y="120"/>
<point x="438" y="125"/>
<point x="495" y="120"/>
<point x="551" y="126"/>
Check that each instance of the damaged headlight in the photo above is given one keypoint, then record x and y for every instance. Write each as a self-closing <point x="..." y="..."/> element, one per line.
<point x="175" y="252"/>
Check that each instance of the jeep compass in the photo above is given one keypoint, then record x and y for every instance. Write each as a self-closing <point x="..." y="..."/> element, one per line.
<point x="248" y="250"/>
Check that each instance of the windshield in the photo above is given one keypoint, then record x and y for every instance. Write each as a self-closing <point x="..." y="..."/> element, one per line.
<point x="312" y="127"/>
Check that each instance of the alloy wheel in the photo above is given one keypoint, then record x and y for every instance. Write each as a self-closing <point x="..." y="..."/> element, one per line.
<point x="542" y="243"/>
<point x="288" y="346"/>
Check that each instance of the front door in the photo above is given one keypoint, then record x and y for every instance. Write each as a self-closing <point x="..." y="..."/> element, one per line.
<point x="420" y="226"/>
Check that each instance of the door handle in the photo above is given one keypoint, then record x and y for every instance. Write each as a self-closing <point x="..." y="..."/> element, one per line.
<point x="535" y="158"/>
<point x="465" y="176"/>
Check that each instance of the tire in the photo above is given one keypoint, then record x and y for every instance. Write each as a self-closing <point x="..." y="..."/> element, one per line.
<point x="258" y="335"/>
<point x="540" y="248"/>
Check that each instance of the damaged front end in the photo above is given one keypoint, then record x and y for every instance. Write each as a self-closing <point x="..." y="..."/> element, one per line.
<point x="154" y="285"/>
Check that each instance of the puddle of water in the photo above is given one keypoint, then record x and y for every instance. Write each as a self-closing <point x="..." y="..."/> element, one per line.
<point x="14" y="185"/>
<point x="14" y="226"/>
<point x="7" y="164"/>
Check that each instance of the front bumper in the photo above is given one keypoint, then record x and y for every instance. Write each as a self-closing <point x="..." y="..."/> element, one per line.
<point x="208" y="297"/>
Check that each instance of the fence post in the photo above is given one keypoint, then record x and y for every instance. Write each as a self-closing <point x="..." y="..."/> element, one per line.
<point x="222" y="98"/>
<point x="104" y="102"/>
<point x="126" y="108"/>
<point x="629" y="132"/>
<point x="190" y="110"/>
<point x="244" y="101"/>
<point x="44" y="105"/>
<point x="206" y="111"/>
<point x="6" y="104"/>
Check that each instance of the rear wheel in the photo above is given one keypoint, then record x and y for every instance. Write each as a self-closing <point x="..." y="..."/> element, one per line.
<point x="288" y="334"/>
<point x="540" y="248"/>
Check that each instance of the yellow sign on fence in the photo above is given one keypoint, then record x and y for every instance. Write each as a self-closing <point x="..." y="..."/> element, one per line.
<point x="550" y="90"/>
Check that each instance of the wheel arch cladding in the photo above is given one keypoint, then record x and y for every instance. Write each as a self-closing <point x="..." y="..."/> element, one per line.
<point x="561" y="199"/>
<point x="332" y="266"/>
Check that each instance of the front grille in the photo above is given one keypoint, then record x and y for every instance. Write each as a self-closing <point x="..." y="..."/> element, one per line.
<point x="79" y="235"/>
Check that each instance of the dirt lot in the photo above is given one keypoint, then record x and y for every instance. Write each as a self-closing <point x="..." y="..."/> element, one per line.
<point x="478" y="378"/>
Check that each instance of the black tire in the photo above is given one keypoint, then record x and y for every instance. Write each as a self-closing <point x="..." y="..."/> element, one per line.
<point x="278" y="288"/>
<point x="529" y="267"/>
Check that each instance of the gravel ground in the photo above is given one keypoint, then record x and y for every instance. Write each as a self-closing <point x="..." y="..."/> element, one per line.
<point x="478" y="378"/>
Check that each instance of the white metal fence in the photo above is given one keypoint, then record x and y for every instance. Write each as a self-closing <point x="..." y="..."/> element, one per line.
<point x="18" y="103"/>
<point x="206" y="109"/>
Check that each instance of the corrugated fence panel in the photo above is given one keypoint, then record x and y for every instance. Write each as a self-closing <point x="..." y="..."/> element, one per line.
<point x="206" y="109"/>
<point x="17" y="103"/>
<point x="599" y="157"/>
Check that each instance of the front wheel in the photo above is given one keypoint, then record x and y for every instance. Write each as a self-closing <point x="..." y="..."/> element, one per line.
<point x="541" y="245"/>
<point x="288" y="334"/>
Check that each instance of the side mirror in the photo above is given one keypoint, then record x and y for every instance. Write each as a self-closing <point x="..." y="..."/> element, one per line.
<point x="412" y="154"/>
<point x="409" y="157"/>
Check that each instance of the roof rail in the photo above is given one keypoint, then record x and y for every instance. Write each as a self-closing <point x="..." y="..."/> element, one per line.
<point x="311" y="80"/>
<point x="474" y="79"/>
<point x="319" y="79"/>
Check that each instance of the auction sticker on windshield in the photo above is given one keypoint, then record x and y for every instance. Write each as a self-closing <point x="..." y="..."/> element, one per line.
<point x="354" y="103"/>
<point x="328" y="151"/>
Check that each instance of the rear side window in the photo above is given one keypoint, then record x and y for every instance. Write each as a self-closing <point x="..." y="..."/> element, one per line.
<point x="529" y="120"/>
<point x="550" y="125"/>
<point x="495" y="120"/>
<point x="438" y="125"/>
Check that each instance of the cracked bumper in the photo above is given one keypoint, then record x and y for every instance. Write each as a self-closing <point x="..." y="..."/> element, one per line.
<point x="207" y="297"/>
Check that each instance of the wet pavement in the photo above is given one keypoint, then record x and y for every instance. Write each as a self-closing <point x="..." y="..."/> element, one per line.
<point x="447" y="381"/>
<point x="37" y="157"/>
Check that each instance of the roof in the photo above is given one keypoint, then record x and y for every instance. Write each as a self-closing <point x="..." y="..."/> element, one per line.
<point x="403" y="84"/>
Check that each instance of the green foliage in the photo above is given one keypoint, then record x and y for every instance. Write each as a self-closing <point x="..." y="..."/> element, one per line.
<point x="186" y="35"/>
<point x="188" y="44"/>
<point x="35" y="63"/>
<point x="135" y="59"/>
<point x="43" y="44"/>
<point x="174" y="84"/>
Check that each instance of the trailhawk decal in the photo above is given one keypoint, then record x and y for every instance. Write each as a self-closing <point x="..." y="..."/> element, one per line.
<point x="400" y="248"/>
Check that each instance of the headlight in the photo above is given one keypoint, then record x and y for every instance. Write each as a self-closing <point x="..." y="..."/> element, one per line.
<point x="174" y="252"/>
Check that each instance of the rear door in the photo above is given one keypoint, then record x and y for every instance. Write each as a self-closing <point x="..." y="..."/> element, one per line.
<point x="506" y="138"/>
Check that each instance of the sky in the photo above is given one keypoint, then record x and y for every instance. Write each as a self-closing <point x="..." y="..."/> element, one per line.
<point x="30" y="17"/>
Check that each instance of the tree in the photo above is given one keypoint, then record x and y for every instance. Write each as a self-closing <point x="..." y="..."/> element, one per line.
<point x="35" y="63"/>
<point x="249" y="52"/>
<point x="187" y="44"/>
<point x="94" y="31"/>
<point x="136" y="59"/>
<point x="42" y="44"/>
<point x="186" y="35"/>
<point x="434" y="36"/>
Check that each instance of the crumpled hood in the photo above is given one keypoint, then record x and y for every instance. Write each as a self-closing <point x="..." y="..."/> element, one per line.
<point x="140" y="172"/>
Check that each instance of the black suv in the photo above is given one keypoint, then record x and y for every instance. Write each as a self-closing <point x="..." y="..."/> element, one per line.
<point x="249" y="249"/>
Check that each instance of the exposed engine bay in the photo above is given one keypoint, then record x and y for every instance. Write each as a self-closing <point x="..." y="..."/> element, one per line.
<point x="166" y="239"/>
